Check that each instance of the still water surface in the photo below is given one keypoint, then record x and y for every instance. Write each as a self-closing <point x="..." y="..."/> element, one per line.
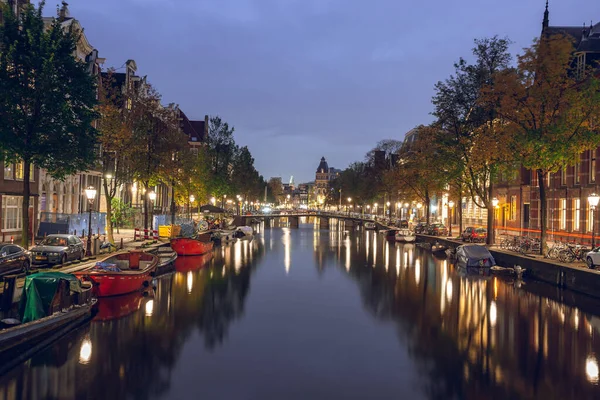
<point x="318" y="314"/>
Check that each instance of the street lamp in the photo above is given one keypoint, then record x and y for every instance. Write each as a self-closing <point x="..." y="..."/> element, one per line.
<point x="495" y="202"/>
<point x="90" y="193"/>
<point x="593" y="200"/>
<point x="388" y="209"/>
<point x="192" y="198"/>
<point x="450" y="210"/>
<point x="152" y="197"/>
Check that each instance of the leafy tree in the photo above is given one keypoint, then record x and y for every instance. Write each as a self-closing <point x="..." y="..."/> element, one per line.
<point x="275" y="190"/>
<point x="547" y="110"/>
<point x="156" y="138"/>
<point x="419" y="173"/>
<point x="47" y="99"/>
<point x="468" y="130"/>
<point x="121" y="212"/>
<point x="116" y="139"/>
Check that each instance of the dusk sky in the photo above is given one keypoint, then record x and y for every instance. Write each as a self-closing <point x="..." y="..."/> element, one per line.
<point x="302" y="79"/>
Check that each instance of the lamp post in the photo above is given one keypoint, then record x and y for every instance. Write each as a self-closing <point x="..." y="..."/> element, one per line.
<point x="192" y="198"/>
<point x="593" y="200"/>
<point x="90" y="193"/>
<point x="152" y="197"/>
<point x="495" y="202"/>
<point x="450" y="212"/>
<point x="375" y="209"/>
<point x="348" y="206"/>
<point x="388" y="210"/>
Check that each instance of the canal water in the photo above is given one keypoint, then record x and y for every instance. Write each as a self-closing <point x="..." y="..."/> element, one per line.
<point x="324" y="314"/>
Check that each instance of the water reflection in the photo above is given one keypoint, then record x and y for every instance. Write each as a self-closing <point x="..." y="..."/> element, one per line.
<point x="423" y="330"/>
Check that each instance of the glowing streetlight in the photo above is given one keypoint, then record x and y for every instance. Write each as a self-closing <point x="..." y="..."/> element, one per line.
<point x="90" y="193"/>
<point x="450" y="210"/>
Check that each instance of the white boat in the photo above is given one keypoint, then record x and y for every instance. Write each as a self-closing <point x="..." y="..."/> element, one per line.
<point x="244" y="233"/>
<point x="405" y="236"/>
<point x="370" y="226"/>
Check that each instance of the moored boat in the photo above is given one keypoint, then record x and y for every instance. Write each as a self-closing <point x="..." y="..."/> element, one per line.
<point x="438" y="247"/>
<point x="405" y="236"/>
<point x="121" y="273"/>
<point x="190" y="246"/>
<point x="244" y="233"/>
<point x="52" y="304"/>
<point x="370" y="226"/>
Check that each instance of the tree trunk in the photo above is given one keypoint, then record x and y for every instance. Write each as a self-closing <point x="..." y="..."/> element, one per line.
<point x="25" y="206"/>
<point x="146" y="206"/>
<point x="541" y="175"/>
<point x="172" y="203"/>
<point x="427" y="210"/>
<point x="460" y="211"/>
<point x="109" y="225"/>
<point x="491" y="237"/>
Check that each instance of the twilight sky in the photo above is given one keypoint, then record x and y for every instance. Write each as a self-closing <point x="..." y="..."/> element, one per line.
<point x="301" y="79"/>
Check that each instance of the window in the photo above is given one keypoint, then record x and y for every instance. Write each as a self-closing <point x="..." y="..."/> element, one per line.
<point x="590" y="220"/>
<point x="513" y="208"/>
<point x="563" y="176"/>
<point x="577" y="169"/>
<point x="592" y="165"/>
<point x="563" y="214"/>
<point x="8" y="171"/>
<point x="19" y="172"/>
<point x="576" y="214"/>
<point x="11" y="213"/>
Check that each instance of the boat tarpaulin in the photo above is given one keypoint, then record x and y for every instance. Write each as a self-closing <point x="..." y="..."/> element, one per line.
<point x="39" y="291"/>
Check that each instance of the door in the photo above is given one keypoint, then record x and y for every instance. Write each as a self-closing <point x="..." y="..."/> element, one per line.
<point x="526" y="215"/>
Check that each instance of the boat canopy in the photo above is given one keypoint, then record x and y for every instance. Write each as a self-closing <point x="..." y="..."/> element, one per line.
<point x="40" y="290"/>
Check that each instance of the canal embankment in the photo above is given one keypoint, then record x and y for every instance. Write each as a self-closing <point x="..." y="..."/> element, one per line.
<point x="574" y="277"/>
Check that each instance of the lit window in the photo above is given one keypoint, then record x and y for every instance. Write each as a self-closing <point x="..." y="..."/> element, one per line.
<point x="8" y="171"/>
<point x="11" y="213"/>
<point x="576" y="214"/>
<point x="590" y="220"/>
<point x="19" y="172"/>
<point x="563" y="214"/>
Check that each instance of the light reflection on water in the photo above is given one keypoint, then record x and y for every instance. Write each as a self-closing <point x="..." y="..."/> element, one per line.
<point x="419" y="330"/>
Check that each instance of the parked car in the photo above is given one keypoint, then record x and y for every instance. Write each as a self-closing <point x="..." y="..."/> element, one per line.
<point x="593" y="258"/>
<point x="421" y="228"/>
<point x="401" y="223"/>
<point x="13" y="259"/>
<point x="471" y="234"/>
<point x="437" y="230"/>
<point x="58" y="249"/>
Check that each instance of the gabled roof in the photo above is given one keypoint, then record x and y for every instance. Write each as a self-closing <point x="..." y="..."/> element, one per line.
<point x="199" y="130"/>
<point x="585" y="38"/>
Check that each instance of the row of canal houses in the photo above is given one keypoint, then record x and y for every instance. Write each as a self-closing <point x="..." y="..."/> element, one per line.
<point x="52" y="199"/>
<point x="518" y="210"/>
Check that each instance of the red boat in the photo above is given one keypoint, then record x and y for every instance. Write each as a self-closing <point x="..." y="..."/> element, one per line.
<point x="192" y="263"/>
<point x="121" y="273"/>
<point x="190" y="247"/>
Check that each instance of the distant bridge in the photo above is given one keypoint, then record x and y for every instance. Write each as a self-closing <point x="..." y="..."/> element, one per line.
<point x="324" y="218"/>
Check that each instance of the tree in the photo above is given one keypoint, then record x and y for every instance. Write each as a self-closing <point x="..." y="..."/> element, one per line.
<point x="156" y="138"/>
<point x="275" y="189"/>
<point x="47" y="100"/>
<point x="468" y="131"/>
<point x="116" y="139"/>
<point x="222" y="150"/>
<point x="547" y="110"/>
<point x="419" y="172"/>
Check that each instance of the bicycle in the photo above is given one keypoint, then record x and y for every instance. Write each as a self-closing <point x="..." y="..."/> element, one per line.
<point x="572" y="253"/>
